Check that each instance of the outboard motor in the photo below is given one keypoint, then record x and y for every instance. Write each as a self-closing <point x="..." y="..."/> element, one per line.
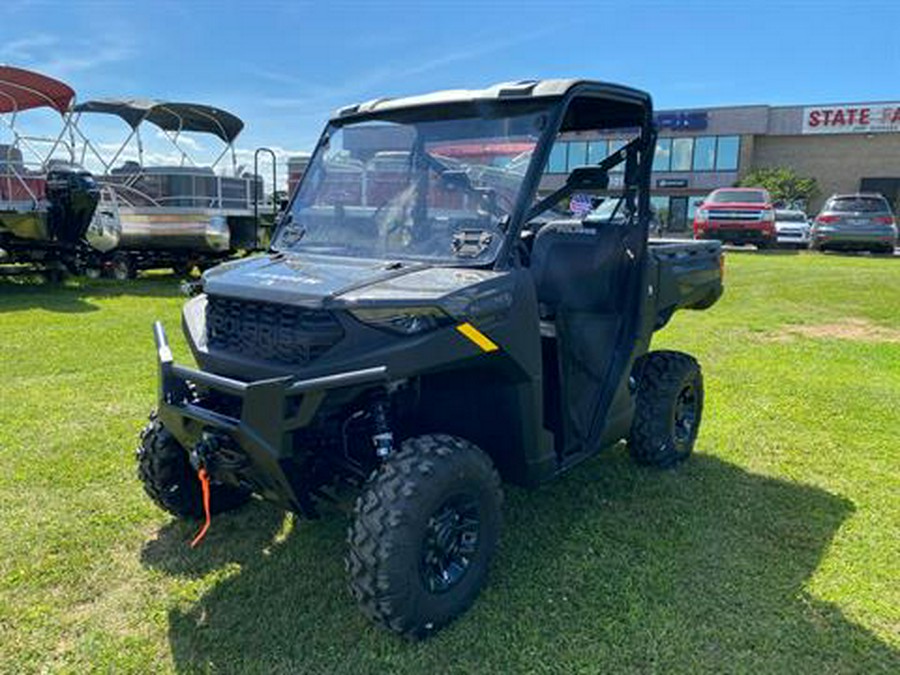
<point x="72" y="194"/>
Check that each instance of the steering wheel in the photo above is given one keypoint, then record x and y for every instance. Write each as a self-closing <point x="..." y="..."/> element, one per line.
<point x="393" y="218"/>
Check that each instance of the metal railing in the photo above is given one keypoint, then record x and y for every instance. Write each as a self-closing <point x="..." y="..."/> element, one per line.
<point x="184" y="190"/>
<point x="20" y="185"/>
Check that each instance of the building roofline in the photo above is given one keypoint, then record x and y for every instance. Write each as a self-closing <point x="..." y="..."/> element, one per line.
<point x="744" y="106"/>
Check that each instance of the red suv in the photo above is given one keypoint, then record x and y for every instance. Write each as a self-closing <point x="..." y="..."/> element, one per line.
<point x="738" y="216"/>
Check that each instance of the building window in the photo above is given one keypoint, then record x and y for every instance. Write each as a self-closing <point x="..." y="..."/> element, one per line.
<point x="596" y="151"/>
<point x="577" y="155"/>
<point x="614" y="146"/>
<point x="727" y="153"/>
<point x="682" y="149"/>
<point x="660" y="204"/>
<point x="663" y="155"/>
<point x="705" y="153"/>
<point x="557" y="161"/>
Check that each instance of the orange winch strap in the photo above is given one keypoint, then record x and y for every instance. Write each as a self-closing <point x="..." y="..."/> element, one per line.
<point x="204" y="486"/>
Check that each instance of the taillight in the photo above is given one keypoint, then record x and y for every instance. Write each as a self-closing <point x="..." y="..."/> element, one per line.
<point x="826" y="219"/>
<point x="885" y="220"/>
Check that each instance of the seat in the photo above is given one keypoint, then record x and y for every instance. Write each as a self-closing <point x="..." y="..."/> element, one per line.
<point x="577" y="268"/>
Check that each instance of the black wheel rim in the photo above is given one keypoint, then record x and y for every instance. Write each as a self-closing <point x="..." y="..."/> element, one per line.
<point x="450" y="543"/>
<point x="685" y="416"/>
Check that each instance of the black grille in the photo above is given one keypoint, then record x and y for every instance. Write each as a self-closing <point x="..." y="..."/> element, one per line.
<point x="261" y="330"/>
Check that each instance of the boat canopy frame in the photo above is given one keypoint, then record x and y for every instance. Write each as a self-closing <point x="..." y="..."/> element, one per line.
<point x="172" y="118"/>
<point x="22" y="90"/>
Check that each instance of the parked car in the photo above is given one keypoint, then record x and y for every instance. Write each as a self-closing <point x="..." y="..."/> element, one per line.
<point x="738" y="216"/>
<point x="791" y="228"/>
<point x="861" y="222"/>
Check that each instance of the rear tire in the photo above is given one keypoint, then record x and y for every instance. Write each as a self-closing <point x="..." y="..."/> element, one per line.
<point x="669" y="408"/>
<point x="170" y="481"/>
<point x="424" y="533"/>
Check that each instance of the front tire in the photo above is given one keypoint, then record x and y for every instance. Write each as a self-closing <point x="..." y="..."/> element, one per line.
<point x="424" y="532"/>
<point x="669" y="408"/>
<point x="170" y="481"/>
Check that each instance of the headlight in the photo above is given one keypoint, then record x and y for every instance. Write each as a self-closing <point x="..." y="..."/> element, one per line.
<point x="404" y="320"/>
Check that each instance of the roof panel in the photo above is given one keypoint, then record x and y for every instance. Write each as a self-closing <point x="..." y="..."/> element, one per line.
<point x="512" y="91"/>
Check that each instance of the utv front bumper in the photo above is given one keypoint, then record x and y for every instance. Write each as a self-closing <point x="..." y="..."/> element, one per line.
<point x="248" y="440"/>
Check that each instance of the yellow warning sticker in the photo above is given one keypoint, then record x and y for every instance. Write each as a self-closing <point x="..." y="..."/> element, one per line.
<point x="477" y="337"/>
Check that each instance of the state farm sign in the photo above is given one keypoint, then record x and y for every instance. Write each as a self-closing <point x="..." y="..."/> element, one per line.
<point x="852" y="119"/>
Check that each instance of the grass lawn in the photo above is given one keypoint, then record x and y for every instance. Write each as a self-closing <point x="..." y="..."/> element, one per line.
<point x="775" y="549"/>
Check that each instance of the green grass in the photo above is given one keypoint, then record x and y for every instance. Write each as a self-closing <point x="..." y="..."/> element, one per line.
<point x="775" y="549"/>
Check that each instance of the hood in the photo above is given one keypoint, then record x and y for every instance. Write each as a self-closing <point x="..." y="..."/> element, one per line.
<point x="756" y="206"/>
<point x="310" y="281"/>
<point x="300" y="280"/>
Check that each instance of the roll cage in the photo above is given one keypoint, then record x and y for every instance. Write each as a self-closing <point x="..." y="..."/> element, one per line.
<point x="569" y="106"/>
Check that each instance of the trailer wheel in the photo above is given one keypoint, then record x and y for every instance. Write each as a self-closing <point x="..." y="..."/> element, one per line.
<point x="55" y="275"/>
<point x="121" y="267"/>
<point x="170" y="481"/>
<point x="424" y="531"/>
<point x="183" y="268"/>
<point x="669" y="408"/>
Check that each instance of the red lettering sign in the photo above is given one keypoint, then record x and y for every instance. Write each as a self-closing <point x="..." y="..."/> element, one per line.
<point x="858" y="119"/>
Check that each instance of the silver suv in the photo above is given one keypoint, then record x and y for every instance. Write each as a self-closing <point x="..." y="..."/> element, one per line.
<point x="862" y="222"/>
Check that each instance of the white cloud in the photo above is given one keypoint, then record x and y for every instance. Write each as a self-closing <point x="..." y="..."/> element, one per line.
<point x="58" y="57"/>
<point x="317" y="99"/>
<point x="26" y="48"/>
<point x="188" y="142"/>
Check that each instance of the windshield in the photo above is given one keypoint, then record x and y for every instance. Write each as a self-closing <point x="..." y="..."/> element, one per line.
<point x="790" y="216"/>
<point x="607" y="211"/>
<point x="738" y="197"/>
<point x="435" y="190"/>
<point x="858" y="205"/>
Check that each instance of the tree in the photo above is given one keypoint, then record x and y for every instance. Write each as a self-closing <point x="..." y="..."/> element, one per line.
<point x="783" y="183"/>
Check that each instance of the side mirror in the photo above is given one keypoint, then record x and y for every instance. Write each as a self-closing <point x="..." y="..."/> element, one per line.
<point x="588" y="178"/>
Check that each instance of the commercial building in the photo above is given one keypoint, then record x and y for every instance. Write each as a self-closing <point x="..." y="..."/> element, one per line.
<point x="845" y="147"/>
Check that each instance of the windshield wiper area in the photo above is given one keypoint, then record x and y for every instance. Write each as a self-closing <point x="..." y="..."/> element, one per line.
<point x="471" y="243"/>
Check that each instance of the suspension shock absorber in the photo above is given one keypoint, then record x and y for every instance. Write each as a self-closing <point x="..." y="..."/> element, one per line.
<point x="383" y="438"/>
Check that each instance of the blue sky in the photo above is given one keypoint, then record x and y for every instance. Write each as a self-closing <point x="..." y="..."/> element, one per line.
<point x="283" y="66"/>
